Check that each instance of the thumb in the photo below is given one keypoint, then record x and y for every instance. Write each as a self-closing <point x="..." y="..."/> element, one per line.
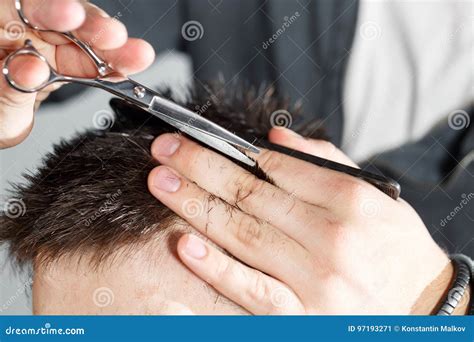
<point x="16" y="108"/>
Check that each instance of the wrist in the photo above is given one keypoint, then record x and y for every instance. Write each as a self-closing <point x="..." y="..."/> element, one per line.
<point x="433" y="295"/>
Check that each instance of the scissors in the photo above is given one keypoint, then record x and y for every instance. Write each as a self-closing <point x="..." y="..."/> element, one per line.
<point x="112" y="81"/>
<point x="182" y="118"/>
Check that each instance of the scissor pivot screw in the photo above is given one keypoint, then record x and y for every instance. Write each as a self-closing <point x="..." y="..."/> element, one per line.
<point x="139" y="92"/>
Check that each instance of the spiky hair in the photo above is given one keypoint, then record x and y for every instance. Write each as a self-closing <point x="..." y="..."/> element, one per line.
<point x="90" y="193"/>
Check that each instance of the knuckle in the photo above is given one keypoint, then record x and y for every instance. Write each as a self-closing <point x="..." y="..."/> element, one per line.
<point x="249" y="232"/>
<point x="206" y="209"/>
<point x="258" y="290"/>
<point x="245" y="186"/>
<point x="193" y="156"/>
<point x="269" y="161"/>
<point x="9" y="99"/>
<point x="354" y="191"/>
<point x="223" y="270"/>
<point x="338" y="235"/>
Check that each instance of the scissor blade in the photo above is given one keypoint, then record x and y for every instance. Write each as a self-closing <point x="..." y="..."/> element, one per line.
<point x="188" y="118"/>
<point x="218" y="144"/>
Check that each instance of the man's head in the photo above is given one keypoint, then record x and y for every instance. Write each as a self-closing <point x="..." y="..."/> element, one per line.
<point x="97" y="240"/>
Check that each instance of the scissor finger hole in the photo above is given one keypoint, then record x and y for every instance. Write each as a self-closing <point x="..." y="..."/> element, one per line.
<point x="28" y="72"/>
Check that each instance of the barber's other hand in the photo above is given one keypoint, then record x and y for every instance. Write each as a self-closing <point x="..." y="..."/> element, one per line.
<point x="316" y="242"/>
<point x="107" y="35"/>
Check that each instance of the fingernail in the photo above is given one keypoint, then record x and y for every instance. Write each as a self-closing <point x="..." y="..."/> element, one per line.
<point x="166" y="145"/>
<point x="166" y="180"/>
<point x="195" y="247"/>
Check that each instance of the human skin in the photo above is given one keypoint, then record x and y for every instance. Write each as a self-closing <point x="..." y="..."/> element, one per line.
<point x="106" y="35"/>
<point x="143" y="279"/>
<point x="153" y="283"/>
<point x="348" y="239"/>
<point x="310" y="238"/>
<point x="150" y="279"/>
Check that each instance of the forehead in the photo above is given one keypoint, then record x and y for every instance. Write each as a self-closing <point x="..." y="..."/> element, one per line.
<point x="139" y="279"/>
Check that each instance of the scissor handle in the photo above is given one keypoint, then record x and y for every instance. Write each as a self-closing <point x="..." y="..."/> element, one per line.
<point x="387" y="185"/>
<point x="103" y="67"/>
<point x="29" y="50"/>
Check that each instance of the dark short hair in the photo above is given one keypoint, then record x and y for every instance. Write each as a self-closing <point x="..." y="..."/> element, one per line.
<point x="90" y="194"/>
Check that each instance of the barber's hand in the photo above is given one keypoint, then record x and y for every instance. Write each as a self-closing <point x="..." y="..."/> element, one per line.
<point x="170" y="308"/>
<point x="107" y="35"/>
<point x="315" y="242"/>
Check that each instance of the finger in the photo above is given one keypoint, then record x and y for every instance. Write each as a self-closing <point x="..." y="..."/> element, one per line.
<point x="332" y="189"/>
<point x="256" y="243"/>
<point x="58" y="15"/>
<point x="253" y="290"/>
<point x="43" y="95"/>
<point x="98" y="30"/>
<point x="330" y="193"/>
<point x="16" y="108"/>
<point x="28" y="72"/>
<point x="321" y="148"/>
<point x="68" y="59"/>
<point x="135" y="56"/>
<point x="12" y="40"/>
<point x="101" y="31"/>
<point x="339" y="193"/>
<point x="238" y="187"/>
<point x="333" y="184"/>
